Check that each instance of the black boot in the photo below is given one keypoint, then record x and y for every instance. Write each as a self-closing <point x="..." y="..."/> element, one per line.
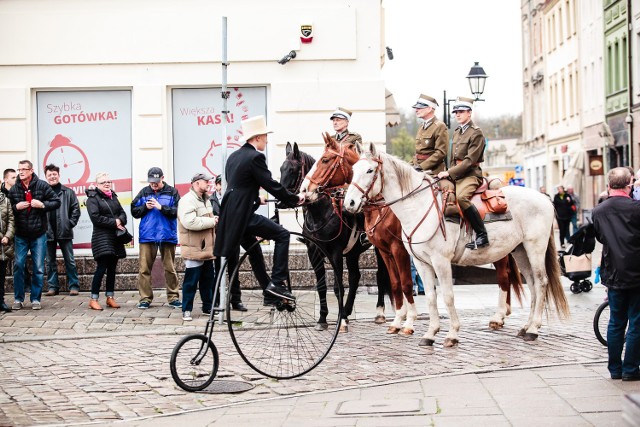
<point x="478" y="226"/>
<point x="4" y="307"/>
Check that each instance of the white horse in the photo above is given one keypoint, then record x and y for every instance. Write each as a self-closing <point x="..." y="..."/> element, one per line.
<point x="529" y="236"/>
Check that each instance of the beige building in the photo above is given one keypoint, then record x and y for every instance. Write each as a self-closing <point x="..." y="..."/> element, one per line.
<point x="125" y="85"/>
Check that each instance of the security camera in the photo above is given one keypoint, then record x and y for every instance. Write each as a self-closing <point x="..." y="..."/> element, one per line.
<point x="389" y="53"/>
<point x="288" y="57"/>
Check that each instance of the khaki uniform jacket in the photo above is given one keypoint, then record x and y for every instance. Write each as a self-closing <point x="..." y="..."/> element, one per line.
<point x="350" y="138"/>
<point x="434" y="143"/>
<point x="468" y="151"/>
<point x="196" y="227"/>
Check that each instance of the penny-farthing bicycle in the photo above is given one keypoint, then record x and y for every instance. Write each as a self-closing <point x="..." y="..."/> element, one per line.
<point x="275" y="338"/>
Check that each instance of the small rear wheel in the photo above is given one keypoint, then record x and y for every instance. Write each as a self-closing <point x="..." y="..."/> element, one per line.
<point x="586" y="286"/>
<point x="575" y="288"/>
<point x="194" y="362"/>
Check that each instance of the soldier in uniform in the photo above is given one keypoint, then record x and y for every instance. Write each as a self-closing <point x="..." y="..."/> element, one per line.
<point x="340" y="119"/>
<point x="432" y="145"/>
<point x="464" y="167"/>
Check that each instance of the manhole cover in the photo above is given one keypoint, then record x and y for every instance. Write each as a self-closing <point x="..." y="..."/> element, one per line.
<point x="386" y="406"/>
<point x="226" y="386"/>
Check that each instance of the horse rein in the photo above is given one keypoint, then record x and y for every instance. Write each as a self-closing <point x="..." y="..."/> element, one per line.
<point x="368" y="201"/>
<point x="324" y="180"/>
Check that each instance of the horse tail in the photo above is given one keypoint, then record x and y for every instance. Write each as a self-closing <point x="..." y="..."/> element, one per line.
<point x="515" y="278"/>
<point x="555" y="293"/>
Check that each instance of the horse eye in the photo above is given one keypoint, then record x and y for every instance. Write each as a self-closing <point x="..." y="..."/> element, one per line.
<point x="325" y="160"/>
<point x="370" y="171"/>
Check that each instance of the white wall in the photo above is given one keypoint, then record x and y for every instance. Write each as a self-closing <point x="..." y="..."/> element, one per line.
<point x="150" y="47"/>
<point x="153" y="46"/>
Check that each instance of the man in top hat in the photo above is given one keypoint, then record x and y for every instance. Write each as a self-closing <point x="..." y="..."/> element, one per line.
<point x="340" y="119"/>
<point x="464" y="167"/>
<point x="432" y="145"/>
<point x="247" y="171"/>
<point x="157" y="207"/>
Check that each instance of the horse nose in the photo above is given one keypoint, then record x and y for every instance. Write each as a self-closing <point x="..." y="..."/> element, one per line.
<point x="352" y="203"/>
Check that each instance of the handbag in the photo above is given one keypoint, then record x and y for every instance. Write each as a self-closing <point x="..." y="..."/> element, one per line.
<point x="574" y="264"/>
<point x="123" y="237"/>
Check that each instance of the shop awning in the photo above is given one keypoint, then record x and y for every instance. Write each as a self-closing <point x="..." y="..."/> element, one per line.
<point x="391" y="110"/>
<point x="573" y="176"/>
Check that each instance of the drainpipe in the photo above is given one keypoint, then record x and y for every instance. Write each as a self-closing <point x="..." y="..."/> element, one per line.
<point x="629" y="119"/>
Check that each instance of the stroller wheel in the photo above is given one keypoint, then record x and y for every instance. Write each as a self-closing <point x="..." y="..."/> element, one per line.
<point x="586" y="286"/>
<point x="575" y="288"/>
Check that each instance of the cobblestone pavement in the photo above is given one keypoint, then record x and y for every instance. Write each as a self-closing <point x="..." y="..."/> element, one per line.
<point x="67" y="364"/>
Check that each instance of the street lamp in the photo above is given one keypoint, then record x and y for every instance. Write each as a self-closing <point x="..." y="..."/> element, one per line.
<point x="477" y="78"/>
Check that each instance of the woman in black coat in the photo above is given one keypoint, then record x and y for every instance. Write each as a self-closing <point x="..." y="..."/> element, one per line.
<point x="565" y="208"/>
<point x="107" y="216"/>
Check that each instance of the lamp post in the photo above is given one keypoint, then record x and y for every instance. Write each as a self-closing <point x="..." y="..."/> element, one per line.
<point x="477" y="78"/>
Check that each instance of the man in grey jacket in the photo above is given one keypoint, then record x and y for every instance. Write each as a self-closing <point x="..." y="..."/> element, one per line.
<point x="60" y="233"/>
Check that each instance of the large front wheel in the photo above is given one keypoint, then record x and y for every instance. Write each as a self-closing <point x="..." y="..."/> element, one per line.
<point x="282" y="339"/>
<point x="194" y="362"/>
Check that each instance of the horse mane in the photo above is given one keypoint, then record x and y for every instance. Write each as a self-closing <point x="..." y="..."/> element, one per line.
<point x="307" y="160"/>
<point x="403" y="170"/>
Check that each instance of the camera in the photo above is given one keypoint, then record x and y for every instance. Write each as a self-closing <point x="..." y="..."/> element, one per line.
<point x="288" y="57"/>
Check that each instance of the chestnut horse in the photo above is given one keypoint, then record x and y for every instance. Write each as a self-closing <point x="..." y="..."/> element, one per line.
<point x="338" y="233"/>
<point x="385" y="232"/>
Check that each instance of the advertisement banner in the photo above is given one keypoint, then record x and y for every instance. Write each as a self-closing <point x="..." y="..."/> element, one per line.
<point x="198" y="125"/>
<point x="84" y="133"/>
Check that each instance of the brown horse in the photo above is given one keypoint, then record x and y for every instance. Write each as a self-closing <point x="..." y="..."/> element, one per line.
<point x="384" y="231"/>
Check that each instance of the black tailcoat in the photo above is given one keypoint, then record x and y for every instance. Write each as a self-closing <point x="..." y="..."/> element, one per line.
<point x="246" y="171"/>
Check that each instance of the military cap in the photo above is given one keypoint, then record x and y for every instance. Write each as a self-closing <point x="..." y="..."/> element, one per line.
<point x="462" y="104"/>
<point x="426" y="101"/>
<point x="341" y="113"/>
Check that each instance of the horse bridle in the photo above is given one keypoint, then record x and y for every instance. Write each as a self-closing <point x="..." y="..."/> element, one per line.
<point x="379" y="171"/>
<point x="323" y="181"/>
<point x="365" y="193"/>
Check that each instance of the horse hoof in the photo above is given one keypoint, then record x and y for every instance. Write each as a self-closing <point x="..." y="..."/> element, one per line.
<point x="450" y="342"/>
<point x="321" y="327"/>
<point x="393" y="330"/>
<point x="406" y="332"/>
<point x="521" y="333"/>
<point x="343" y="329"/>
<point x="530" y="337"/>
<point x="380" y="319"/>
<point x="426" y="342"/>
<point x="496" y="325"/>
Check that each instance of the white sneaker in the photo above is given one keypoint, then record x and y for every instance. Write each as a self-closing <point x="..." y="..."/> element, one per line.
<point x="17" y="305"/>
<point x="186" y="316"/>
<point x="35" y="305"/>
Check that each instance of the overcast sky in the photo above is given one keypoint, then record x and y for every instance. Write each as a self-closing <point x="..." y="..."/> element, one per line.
<point x="436" y="42"/>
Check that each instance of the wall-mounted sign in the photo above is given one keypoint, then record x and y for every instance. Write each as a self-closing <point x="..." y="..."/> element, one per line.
<point x="596" y="165"/>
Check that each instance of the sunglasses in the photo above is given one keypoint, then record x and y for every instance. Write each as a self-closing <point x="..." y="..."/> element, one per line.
<point x="105" y="182"/>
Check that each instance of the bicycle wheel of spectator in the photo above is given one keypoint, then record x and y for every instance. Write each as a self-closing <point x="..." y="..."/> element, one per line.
<point x="282" y="339"/>
<point x="601" y="321"/>
<point x="194" y="362"/>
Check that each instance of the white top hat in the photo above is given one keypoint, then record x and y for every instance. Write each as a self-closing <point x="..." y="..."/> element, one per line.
<point x="254" y="126"/>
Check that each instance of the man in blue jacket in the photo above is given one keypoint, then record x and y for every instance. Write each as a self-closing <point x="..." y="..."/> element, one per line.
<point x="157" y="206"/>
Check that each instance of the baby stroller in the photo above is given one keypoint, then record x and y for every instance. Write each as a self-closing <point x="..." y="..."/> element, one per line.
<point x="575" y="262"/>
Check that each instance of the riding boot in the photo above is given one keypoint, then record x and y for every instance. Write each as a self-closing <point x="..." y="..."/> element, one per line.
<point x="478" y="226"/>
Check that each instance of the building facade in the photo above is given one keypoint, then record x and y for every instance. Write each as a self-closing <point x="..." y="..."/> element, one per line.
<point x="590" y="98"/>
<point x="121" y="86"/>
